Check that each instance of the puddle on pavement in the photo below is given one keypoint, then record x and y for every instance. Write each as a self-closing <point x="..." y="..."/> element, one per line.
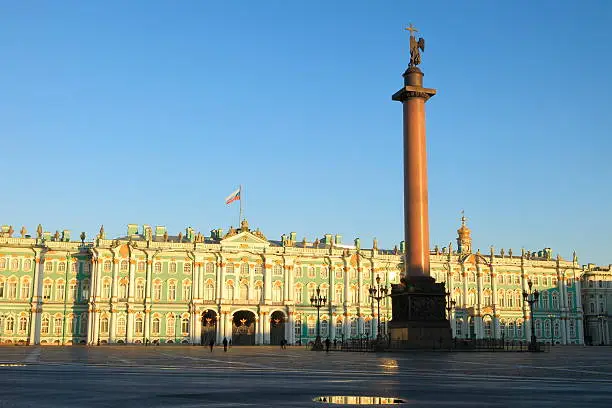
<point x="359" y="400"/>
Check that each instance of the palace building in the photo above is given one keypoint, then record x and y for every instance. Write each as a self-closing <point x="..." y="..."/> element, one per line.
<point x="149" y="286"/>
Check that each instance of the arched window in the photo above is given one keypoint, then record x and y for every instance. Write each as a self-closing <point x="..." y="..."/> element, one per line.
<point x="121" y="326"/>
<point x="155" y="326"/>
<point x="472" y="277"/>
<point x="555" y="301"/>
<point x="12" y="289"/>
<point x="23" y="324"/>
<point x="324" y="273"/>
<point x="510" y="330"/>
<point x="258" y="269"/>
<point x="500" y="279"/>
<point x="367" y="328"/>
<point x="138" y="326"/>
<point x="140" y="267"/>
<point x="324" y="327"/>
<point x="61" y="267"/>
<point x="172" y="267"/>
<point x="73" y="326"/>
<point x="107" y="266"/>
<point x="15" y="264"/>
<point x="185" y="326"/>
<point x="104" y="325"/>
<point x="519" y="329"/>
<point x="471" y="298"/>
<point x="57" y="325"/>
<point x="210" y="268"/>
<point x="459" y="328"/>
<point x="244" y="291"/>
<point x="339" y="326"/>
<point x="488" y="332"/>
<point x="1" y="287"/>
<point x="518" y="299"/>
<point x="157" y="268"/>
<point x="48" y="265"/>
<point x="298" y="328"/>
<point x="229" y="286"/>
<point x="298" y="271"/>
<point x="83" y="325"/>
<point x="171" y="290"/>
<point x="60" y="290"/>
<point x="353" y="327"/>
<point x="501" y="298"/>
<point x="311" y="322"/>
<point x="209" y="291"/>
<point x="229" y="268"/>
<point x="353" y="294"/>
<point x="170" y="322"/>
<point x="10" y="324"/>
<point x="547" y="330"/>
<point x="123" y="289"/>
<point x="509" y="299"/>
<point x="538" y="328"/>
<point x="123" y="266"/>
<point x="44" y="328"/>
<point x="277" y="293"/>
<point x="544" y="300"/>
<point x="487" y="277"/>
<point x="187" y="267"/>
<point x="487" y="298"/>
<point x="556" y="329"/>
<point x="85" y="289"/>
<point x="27" y="265"/>
<point x="2" y="263"/>
<point x="338" y="273"/>
<point x="311" y="272"/>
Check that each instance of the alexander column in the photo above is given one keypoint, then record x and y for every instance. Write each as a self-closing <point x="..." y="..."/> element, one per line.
<point x="419" y="318"/>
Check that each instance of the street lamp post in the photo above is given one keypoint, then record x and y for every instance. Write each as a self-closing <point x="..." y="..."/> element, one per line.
<point x="531" y="297"/>
<point x="378" y="293"/>
<point x="318" y="301"/>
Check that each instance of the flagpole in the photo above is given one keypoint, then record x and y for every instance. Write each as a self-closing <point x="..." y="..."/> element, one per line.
<point x="240" y="215"/>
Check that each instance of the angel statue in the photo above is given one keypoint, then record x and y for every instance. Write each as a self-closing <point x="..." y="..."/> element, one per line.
<point x="415" y="46"/>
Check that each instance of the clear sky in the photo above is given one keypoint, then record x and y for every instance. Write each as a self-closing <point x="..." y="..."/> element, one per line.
<point x="152" y="112"/>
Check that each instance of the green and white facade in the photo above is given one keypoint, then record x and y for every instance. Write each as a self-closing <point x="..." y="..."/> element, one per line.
<point x="148" y="286"/>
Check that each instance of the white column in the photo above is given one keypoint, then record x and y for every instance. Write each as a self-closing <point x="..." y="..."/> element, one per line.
<point x="35" y="314"/>
<point x="130" y="327"/>
<point x="258" y="329"/>
<point x="580" y="328"/>
<point x="268" y="284"/>
<point x="266" y="327"/>
<point x="147" y="325"/>
<point x="113" y="325"/>
<point x="496" y="328"/>
<point x="131" y="272"/>
<point x="228" y="326"/>
<point x="221" y="282"/>
<point x="291" y="337"/>
<point x="220" y="327"/>
<point x="285" y="285"/>
<point x="562" y="330"/>
<point x="478" y="327"/>
<point x="464" y="275"/>
<point x="251" y="289"/>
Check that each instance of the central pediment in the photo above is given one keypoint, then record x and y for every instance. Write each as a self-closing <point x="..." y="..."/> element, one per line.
<point x="245" y="239"/>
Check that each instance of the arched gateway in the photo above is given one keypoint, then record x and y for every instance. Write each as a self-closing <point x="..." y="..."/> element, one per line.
<point x="209" y="327"/>
<point x="243" y="328"/>
<point x="277" y="327"/>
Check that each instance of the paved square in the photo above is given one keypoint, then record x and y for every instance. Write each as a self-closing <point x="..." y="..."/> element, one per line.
<point x="188" y="376"/>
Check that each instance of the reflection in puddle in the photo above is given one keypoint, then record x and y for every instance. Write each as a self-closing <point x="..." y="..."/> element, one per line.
<point x="359" y="400"/>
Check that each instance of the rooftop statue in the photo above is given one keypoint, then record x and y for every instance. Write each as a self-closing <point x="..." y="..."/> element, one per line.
<point x="23" y="231"/>
<point x="39" y="231"/>
<point x="416" y="46"/>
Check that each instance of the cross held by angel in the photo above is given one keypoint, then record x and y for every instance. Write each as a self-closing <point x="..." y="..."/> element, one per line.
<point x="416" y="46"/>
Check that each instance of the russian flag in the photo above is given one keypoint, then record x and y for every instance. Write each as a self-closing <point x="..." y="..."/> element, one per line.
<point x="233" y="197"/>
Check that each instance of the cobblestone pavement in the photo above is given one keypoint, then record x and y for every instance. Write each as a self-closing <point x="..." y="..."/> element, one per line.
<point x="188" y="376"/>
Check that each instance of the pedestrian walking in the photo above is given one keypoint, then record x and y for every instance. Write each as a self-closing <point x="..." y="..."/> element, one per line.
<point x="335" y="343"/>
<point x="225" y="344"/>
<point x="327" y="344"/>
<point x="230" y="343"/>
<point x="211" y="344"/>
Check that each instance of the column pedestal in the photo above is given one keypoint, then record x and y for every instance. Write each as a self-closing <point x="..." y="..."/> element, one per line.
<point x="419" y="315"/>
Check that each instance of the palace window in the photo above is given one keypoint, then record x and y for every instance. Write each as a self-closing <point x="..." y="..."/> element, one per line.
<point x="85" y="289"/>
<point x="210" y="268"/>
<point x="73" y="327"/>
<point x="353" y="294"/>
<point x="186" y="291"/>
<point x="209" y="291"/>
<point x="570" y="301"/>
<point x="338" y="273"/>
<point x="339" y="294"/>
<point x="311" y="272"/>
<point x="170" y="326"/>
<point x="157" y="268"/>
<point x="487" y="298"/>
<point x="138" y="326"/>
<point x="500" y="279"/>
<point x="187" y="268"/>
<point x="572" y="329"/>
<point x="298" y="271"/>
<point x="61" y="267"/>
<point x="123" y="266"/>
<point x="73" y="267"/>
<point x="104" y="325"/>
<point x="106" y="289"/>
<point x="72" y="291"/>
<point x="487" y="277"/>
<point x="297" y="331"/>
<point x="140" y="266"/>
<point x="123" y="290"/>
<point x="324" y="328"/>
<point x="367" y="328"/>
<point x="324" y="273"/>
<point x="353" y="328"/>
<point x="15" y="264"/>
<point x="25" y="289"/>
<point x="57" y="326"/>
<point x="171" y="291"/>
<point x="312" y="326"/>
<point x="277" y="294"/>
<point x="277" y="270"/>
<point x="519" y="329"/>
<point x="44" y="328"/>
<point x="173" y="267"/>
<point x="10" y="324"/>
<point x="46" y="290"/>
<point x="544" y="300"/>
<point x="518" y="299"/>
<point x="156" y="326"/>
<point x="157" y="289"/>
<point x="83" y="324"/>
<point x="471" y="298"/>
<point x="555" y="301"/>
<point x="258" y="293"/>
<point x="12" y="290"/>
<point x="244" y="269"/>
<point x="2" y="263"/>
<point x="48" y="266"/>
<point x="185" y="326"/>
<point x="60" y="290"/>
<point x="121" y="326"/>
<point x="472" y="277"/>
<point x="354" y="273"/>
<point x="244" y="291"/>
<point x="27" y="265"/>
<point x="107" y="266"/>
<point x="488" y="332"/>
<point x="229" y="268"/>
<point x="229" y="287"/>
<point x="538" y="328"/>
<point x="501" y="298"/>
<point x="339" y="326"/>
<point x="510" y="330"/>
<point x="140" y="290"/>
<point x="556" y="329"/>
<point x="23" y="324"/>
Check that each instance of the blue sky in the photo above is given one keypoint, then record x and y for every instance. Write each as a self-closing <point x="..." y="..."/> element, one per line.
<point x="152" y="112"/>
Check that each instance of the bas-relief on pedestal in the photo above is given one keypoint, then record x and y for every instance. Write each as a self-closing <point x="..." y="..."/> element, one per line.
<point x="418" y="303"/>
